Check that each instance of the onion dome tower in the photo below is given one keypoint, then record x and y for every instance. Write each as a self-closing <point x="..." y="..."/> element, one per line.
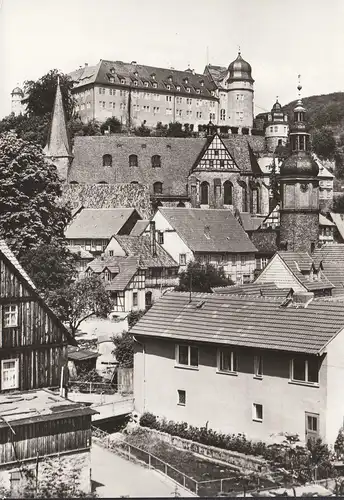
<point x="299" y="212"/>
<point x="277" y="128"/>
<point x="240" y="94"/>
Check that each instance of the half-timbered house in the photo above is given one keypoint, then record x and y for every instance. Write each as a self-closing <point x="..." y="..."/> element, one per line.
<point x="35" y="422"/>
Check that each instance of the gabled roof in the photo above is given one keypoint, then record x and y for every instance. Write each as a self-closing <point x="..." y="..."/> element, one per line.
<point x="324" y="221"/>
<point x="332" y="258"/>
<point x="209" y="230"/>
<point x="338" y="219"/>
<point x="98" y="223"/>
<point x="58" y="141"/>
<point x="125" y="269"/>
<point x="249" y="221"/>
<point x="257" y="289"/>
<point x="178" y="158"/>
<point x="139" y="246"/>
<point x="140" y="227"/>
<point x="217" y="73"/>
<point x="302" y="261"/>
<point x="12" y="261"/>
<point x="242" y="321"/>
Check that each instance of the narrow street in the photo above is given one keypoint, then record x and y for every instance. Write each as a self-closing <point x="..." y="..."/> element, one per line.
<point x="116" y="477"/>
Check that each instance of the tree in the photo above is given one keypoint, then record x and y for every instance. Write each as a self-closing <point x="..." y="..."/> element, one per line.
<point x="338" y="204"/>
<point x="124" y="349"/>
<point x="133" y="317"/>
<point x="323" y="142"/>
<point x="51" y="266"/>
<point x="30" y="212"/>
<point x="41" y="94"/>
<point x="142" y="130"/>
<point x="82" y="299"/>
<point x="201" y="278"/>
<point x="29" y="128"/>
<point x="274" y="183"/>
<point x="113" y="124"/>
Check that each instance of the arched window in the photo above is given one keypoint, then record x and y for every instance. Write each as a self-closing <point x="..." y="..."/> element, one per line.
<point x="181" y="204"/>
<point x="244" y="198"/>
<point x="107" y="161"/>
<point x="157" y="186"/>
<point x="204" y="193"/>
<point x="102" y="182"/>
<point x="134" y="182"/>
<point x="133" y="162"/>
<point x="156" y="161"/>
<point x="228" y="193"/>
<point x="73" y="182"/>
<point x="256" y="200"/>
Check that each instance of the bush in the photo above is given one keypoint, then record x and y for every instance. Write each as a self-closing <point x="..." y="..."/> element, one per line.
<point x="298" y="460"/>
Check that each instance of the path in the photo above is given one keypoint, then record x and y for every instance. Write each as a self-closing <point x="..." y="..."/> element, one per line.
<point x="119" y="477"/>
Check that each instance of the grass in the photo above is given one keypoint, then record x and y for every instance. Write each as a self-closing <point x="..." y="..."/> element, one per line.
<point x="198" y="468"/>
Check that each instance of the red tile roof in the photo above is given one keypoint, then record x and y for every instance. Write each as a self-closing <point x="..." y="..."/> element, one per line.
<point x="242" y="321"/>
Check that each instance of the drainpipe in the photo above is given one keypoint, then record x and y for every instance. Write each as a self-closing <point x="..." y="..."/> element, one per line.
<point x="144" y="371"/>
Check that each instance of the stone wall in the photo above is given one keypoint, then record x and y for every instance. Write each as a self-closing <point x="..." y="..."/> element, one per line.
<point x="244" y="462"/>
<point x="76" y="464"/>
<point x="109" y="196"/>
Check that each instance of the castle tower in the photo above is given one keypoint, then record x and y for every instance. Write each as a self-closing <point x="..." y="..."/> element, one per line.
<point x="57" y="148"/>
<point x="16" y="101"/>
<point x="299" y="212"/>
<point x="240" y="95"/>
<point x="277" y="128"/>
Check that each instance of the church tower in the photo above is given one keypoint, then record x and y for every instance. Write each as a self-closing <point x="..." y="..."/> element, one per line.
<point x="240" y="95"/>
<point x="16" y="101"/>
<point x="277" y="128"/>
<point x="57" y="149"/>
<point x="299" y="212"/>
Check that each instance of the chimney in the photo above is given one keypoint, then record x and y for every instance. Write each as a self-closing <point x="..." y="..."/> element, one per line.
<point x="299" y="299"/>
<point x="152" y="238"/>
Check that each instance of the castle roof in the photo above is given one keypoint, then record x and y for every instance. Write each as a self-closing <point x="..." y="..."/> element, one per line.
<point x="58" y="142"/>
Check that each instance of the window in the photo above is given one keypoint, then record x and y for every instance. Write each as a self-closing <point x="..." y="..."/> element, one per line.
<point x="168" y="98"/>
<point x="169" y="111"/>
<point x="107" y="161"/>
<point x="157" y="187"/>
<point x="181" y="398"/>
<point x="107" y="275"/>
<point x="145" y="84"/>
<point x="258" y="366"/>
<point x="199" y="114"/>
<point x="227" y="361"/>
<point x="187" y="355"/>
<point x="188" y="89"/>
<point x="133" y="161"/>
<point x="11" y="315"/>
<point x="257" y="412"/>
<point x="228" y="193"/>
<point x="222" y="114"/>
<point x="155" y="85"/>
<point x="156" y="161"/>
<point x="305" y="370"/>
<point x="9" y="374"/>
<point x="135" y="299"/>
<point x="243" y="260"/>
<point x="204" y="193"/>
<point x="111" y="253"/>
<point x="168" y="88"/>
<point x="160" y="238"/>
<point x="182" y="259"/>
<point x="178" y="87"/>
<point x="135" y="83"/>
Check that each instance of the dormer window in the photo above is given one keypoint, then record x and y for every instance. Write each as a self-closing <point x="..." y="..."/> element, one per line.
<point x="112" y="80"/>
<point x="188" y="89"/>
<point x="112" y="70"/>
<point x="153" y="76"/>
<point x="186" y="80"/>
<point x="122" y="81"/>
<point x="145" y="84"/>
<point x="178" y="87"/>
<point x="168" y="87"/>
<point x="135" y="83"/>
<point x="202" y="83"/>
<point x="155" y="85"/>
<point x="170" y="79"/>
<point x="136" y="73"/>
<point x="198" y="91"/>
<point x="212" y="93"/>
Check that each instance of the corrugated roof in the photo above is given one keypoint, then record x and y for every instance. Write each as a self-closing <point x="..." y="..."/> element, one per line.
<point x="178" y="158"/>
<point x="209" y="230"/>
<point x="139" y="246"/>
<point x="139" y="227"/>
<point x="242" y="321"/>
<point x="256" y="289"/>
<point x="98" y="223"/>
<point x="302" y="261"/>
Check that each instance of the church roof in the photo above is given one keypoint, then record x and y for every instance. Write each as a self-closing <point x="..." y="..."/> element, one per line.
<point x="58" y="142"/>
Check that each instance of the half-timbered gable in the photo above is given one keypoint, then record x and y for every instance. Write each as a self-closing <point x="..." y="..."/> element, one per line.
<point x="33" y="342"/>
<point x="215" y="156"/>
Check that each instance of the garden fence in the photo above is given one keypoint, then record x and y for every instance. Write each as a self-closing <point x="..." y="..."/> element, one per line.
<point x="98" y="387"/>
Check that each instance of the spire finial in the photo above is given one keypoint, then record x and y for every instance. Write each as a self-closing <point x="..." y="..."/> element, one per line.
<point x="299" y="86"/>
<point x="276" y="98"/>
<point x="58" y="80"/>
<point x="239" y="50"/>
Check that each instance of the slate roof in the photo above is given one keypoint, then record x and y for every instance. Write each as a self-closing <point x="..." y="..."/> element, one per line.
<point x="58" y="141"/>
<point x="302" y="261"/>
<point x="332" y="259"/>
<point x="102" y="74"/>
<point x="217" y="73"/>
<point x="98" y="223"/>
<point x="250" y="222"/>
<point x="225" y="232"/>
<point x="242" y="321"/>
<point x="257" y="289"/>
<point x="80" y="252"/>
<point x="178" y="157"/>
<point x="125" y="269"/>
<point x="139" y="246"/>
<point x="139" y="227"/>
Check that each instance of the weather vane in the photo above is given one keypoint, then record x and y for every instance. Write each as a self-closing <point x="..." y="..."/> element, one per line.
<point x="299" y="87"/>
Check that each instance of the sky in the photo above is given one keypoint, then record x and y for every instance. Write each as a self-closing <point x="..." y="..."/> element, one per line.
<point x="279" y="38"/>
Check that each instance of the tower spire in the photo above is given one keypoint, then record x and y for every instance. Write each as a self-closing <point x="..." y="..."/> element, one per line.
<point x="58" y="148"/>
